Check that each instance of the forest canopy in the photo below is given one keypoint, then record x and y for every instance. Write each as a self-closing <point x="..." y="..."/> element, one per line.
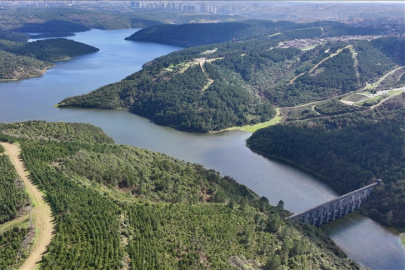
<point x="349" y="151"/>
<point x="213" y="87"/>
<point x="122" y="206"/>
<point x="27" y="59"/>
<point x="188" y="35"/>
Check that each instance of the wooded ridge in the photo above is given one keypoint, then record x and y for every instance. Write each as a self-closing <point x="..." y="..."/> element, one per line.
<point x="213" y="87"/>
<point x="21" y="60"/>
<point x="349" y="151"/>
<point x="189" y="35"/>
<point x="119" y="206"/>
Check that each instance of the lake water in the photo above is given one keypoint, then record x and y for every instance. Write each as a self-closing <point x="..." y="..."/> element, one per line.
<point x="364" y="240"/>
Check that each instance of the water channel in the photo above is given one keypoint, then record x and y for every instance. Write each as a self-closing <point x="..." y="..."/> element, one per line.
<point x="363" y="239"/>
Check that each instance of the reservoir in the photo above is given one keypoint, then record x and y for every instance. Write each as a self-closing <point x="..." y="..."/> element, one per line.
<point x="363" y="239"/>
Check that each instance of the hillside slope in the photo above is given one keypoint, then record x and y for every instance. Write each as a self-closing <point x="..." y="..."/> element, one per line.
<point x="217" y="86"/>
<point x="349" y="151"/>
<point x="18" y="67"/>
<point x="21" y="60"/>
<point x="119" y="206"/>
<point x="189" y="35"/>
<point x="48" y="49"/>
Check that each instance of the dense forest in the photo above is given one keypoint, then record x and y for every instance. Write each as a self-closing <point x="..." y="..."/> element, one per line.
<point x="119" y="206"/>
<point x="57" y="19"/>
<point x="27" y="59"/>
<point x="52" y="26"/>
<point x="12" y="194"/>
<point x="188" y="35"/>
<point x="13" y="36"/>
<point x="14" y="202"/>
<point x="216" y="86"/>
<point x="54" y="131"/>
<point x="14" y="247"/>
<point x="17" y="67"/>
<point x="189" y="96"/>
<point x="349" y="151"/>
<point x="48" y="49"/>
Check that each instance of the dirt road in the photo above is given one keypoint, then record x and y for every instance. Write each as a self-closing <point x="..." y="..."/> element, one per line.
<point x="41" y="214"/>
<point x="7" y="226"/>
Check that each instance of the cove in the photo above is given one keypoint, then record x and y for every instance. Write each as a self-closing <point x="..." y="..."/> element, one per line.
<point x="364" y="240"/>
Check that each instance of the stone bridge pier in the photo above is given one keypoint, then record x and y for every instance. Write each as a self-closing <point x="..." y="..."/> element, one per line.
<point x="335" y="208"/>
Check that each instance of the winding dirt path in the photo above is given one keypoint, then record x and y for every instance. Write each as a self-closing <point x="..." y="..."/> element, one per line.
<point x="41" y="214"/>
<point x="323" y="60"/>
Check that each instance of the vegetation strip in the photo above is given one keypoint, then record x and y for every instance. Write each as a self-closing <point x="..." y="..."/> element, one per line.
<point x="12" y="223"/>
<point x="348" y="151"/>
<point x="253" y="128"/>
<point x="41" y="214"/>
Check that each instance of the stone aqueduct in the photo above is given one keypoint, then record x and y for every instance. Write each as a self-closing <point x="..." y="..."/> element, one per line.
<point x="335" y="208"/>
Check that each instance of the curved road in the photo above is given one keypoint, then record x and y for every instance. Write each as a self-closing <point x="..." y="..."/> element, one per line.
<point x="41" y="214"/>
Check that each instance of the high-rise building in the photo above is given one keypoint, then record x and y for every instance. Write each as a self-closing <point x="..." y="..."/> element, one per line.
<point x="203" y="7"/>
<point x="135" y="4"/>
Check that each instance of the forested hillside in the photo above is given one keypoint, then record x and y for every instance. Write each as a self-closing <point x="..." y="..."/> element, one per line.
<point x="13" y="36"/>
<point x="17" y="67"/>
<point x="48" y="49"/>
<point x="118" y="206"/>
<point x="49" y="131"/>
<point x="12" y="194"/>
<point x="52" y="26"/>
<point x="349" y="151"/>
<point x="13" y="247"/>
<point x="57" y="19"/>
<point x="183" y="92"/>
<point x="188" y="35"/>
<point x="27" y="59"/>
<point x="217" y="86"/>
<point x="14" y="202"/>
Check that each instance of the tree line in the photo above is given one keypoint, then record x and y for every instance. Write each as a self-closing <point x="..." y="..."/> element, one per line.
<point x="348" y="151"/>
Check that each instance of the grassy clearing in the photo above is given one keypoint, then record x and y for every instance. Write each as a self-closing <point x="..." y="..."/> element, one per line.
<point x="209" y="51"/>
<point x="253" y="128"/>
<point x="361" y="99"/>
<point x="370" y="101"/>
<point x="392" y="93"/>
<point x="356" y="98"/>
<point x="370" y="86"/>
<point x="308" y="48"/>
<point x="275" y="34"/>
<point x="207" y="85"/>
<point x="403" y="239"/>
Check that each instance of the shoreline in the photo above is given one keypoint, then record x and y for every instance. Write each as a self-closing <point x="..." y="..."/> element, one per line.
<point x="41" y="71"/>
<point x="402" y="239"/>
<point x="301" y="167"/>
<point x="248" y="128"/>
<point x="291" y="163"/>
<point x="252" y="128"/>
